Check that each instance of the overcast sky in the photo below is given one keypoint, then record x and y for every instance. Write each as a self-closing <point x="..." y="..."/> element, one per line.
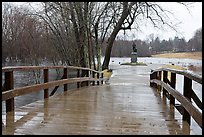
<point x="190" y="20"/>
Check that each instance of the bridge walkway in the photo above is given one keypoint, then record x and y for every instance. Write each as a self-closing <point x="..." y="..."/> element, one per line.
<point x="126" y="104"/>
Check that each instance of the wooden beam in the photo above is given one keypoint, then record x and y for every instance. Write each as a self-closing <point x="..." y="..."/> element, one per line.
<point x="28" y="89"/>
<point x="65" y="77"/>
<point x="173" y="85"/>
<point x="190" y="108"/>
<point x="187" y="93"/>
<point x="165" y="79"/>
<point x="46" y="79"/>
<point x="8" y="85"/>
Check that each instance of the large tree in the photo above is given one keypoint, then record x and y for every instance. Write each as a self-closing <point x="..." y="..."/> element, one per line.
<point x="76" y="31"/>
<point x="132" y="12"/>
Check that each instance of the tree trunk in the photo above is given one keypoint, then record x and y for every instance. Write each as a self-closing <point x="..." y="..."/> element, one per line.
<point x="111" y="39"/>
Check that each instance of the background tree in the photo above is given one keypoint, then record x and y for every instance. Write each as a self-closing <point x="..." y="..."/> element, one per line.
<point x="129" y="12"/>
<point x="195" y="43"/>
<point x="79" y="33"/>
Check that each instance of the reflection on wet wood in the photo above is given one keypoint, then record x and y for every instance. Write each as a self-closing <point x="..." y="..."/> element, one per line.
<point x="188" y="109"/>
<point x="97" y="110"/>
<point x="9" y="93"/>
<point x="127" y="106"/>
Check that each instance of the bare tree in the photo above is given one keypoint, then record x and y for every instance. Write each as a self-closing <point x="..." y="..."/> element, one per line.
<point x="131" y="13"/>
<point x="74" y="32"/>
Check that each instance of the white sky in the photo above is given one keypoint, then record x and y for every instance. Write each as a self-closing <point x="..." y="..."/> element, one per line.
<point x="191" y="20"/>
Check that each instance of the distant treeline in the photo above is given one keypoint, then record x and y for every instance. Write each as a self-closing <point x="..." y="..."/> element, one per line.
<point x="32" y="38"/>
<point x="123" y="48"/>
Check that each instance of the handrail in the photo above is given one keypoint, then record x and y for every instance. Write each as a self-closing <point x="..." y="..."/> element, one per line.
<point x="9" y="92"/>
<point x="30" y="68"/>
<point x="193" y="111"/>
<point x="186" y="73"/>
<point x="28" y="89"/>
<point x="168" y="88"/>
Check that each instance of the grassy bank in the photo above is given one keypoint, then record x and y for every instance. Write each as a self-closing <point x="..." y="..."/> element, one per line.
<point x="190" y="55"/>
<point x="186" y="55"/>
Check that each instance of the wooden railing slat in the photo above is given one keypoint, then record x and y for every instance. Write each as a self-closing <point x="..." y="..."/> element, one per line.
<point x="28" y="89"/>
<point x="31" y="68"/>
<point x="192" y="110"/>
<point x="46" y="79"/>
<point x="186" y="73"/>
<point x="8" y="85"/>
<point x="196" y="100"/>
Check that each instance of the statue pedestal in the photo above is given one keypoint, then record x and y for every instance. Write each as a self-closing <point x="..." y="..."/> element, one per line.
<point x="134" y="57"/>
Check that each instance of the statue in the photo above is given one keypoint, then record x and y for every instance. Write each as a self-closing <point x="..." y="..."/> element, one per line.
<point x="134" y="54"/>
<point x="134" y="47"/>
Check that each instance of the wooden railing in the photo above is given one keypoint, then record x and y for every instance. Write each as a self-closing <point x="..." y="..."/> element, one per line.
<point x="186" y="108"/>
<point x="9" y="92"/>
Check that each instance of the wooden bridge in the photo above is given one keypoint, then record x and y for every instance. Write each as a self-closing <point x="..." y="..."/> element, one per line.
<point x="137" y="101"/>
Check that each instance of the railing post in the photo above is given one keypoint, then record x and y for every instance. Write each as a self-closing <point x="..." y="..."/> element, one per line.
<point x="153" y="76"/>
<point x="159" y="78"/>
<point x="165" y="79"/>
<point x="78" y="75"/>
<point x="87" y="73"/>
<point x="101" y="78"/>
<point x="187" y="93"/>
<point x="9" y="84"/>
<point x="45" y="72"/>
<point x="173" y="85"/>
<point x="98" y="82"/>
<point x="65" y="77"/>
<point x="93" y="76"/>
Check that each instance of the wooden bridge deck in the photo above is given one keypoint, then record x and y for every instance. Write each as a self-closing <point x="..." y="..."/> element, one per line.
<point x="128" y="105"/>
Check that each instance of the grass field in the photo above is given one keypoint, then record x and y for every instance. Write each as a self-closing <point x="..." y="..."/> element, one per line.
<point x="190" y="55"/>
<point x="187" y="55"/>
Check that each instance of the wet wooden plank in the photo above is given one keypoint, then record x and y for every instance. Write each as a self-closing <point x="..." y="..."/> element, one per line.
<point x="31" y="68"/>
<point x="36" y="88"/>
<point x="95" y="110"/>
<point x="127" y="106"/>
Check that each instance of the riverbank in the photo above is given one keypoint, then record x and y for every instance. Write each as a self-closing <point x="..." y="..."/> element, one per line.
<point x="184" y="55"/>
<point x="189" y="55"/>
